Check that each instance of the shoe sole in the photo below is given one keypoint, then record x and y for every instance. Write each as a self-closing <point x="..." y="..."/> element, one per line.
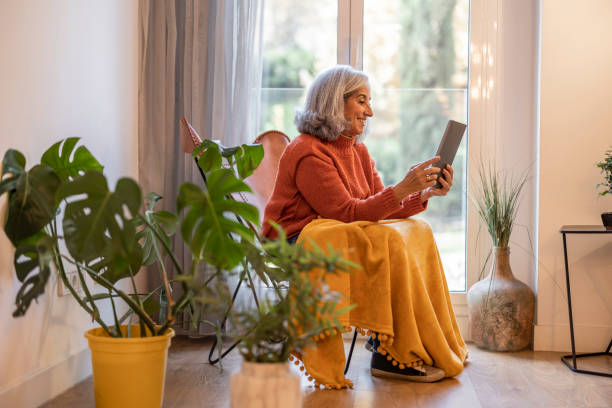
<point x="416" y="378"/>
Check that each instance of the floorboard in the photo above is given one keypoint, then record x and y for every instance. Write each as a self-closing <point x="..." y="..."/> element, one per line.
<point x="523" y="379"/>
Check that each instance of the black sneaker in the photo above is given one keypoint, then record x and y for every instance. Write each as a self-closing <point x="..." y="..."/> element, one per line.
<point x="381" y="367"/>
<point x="372" y="344"/>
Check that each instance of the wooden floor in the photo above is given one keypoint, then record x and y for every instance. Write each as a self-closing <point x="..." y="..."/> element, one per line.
<point x="523" y="379"/>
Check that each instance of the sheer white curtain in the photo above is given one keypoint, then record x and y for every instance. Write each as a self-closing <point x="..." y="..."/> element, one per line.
<point x="237" y="66"/>
<point x="199" y="59"/>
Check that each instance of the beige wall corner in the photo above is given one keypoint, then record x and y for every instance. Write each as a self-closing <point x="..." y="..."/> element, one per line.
<point x="575" y="132"/>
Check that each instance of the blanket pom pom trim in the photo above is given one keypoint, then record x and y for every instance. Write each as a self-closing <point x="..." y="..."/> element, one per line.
<point x="385" y="339"/>
<point x="318" y="384"/>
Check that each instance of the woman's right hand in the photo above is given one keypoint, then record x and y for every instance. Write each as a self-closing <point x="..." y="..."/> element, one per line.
<point x="419" y="177"/>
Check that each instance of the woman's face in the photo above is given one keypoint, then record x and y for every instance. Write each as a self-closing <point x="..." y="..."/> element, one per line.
<point x="356" y="110"/>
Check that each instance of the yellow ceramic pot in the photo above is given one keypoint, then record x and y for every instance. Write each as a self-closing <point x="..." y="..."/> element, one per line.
<point x="128" y="372"/>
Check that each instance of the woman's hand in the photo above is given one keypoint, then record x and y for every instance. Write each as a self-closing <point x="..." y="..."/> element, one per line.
<point x="446" y="180"/>
<point x="419" y="178"/>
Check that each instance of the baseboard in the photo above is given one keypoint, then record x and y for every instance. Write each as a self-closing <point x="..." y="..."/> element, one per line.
<point x="588" y="339"/>
<point x="47" y="383"/>
<point x="461" y="314"/>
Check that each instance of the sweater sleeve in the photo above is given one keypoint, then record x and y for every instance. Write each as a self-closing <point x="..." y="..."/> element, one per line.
<point x="320" y="184"/>
<point x="410" y="205"/>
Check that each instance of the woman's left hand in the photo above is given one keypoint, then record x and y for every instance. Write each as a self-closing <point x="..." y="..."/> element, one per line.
<point x="446" y="180"/>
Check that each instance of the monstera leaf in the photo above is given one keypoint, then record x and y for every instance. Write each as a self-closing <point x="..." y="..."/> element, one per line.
<point x="246" y="157"/>
<point x="31" y="196"/>
<point x="99" y="226"/>
<point x="248" y="160"/>
<point x="208" y="155"/>
<point x="33" y="258"/>
<point x="210" y="218"/>
<point x="163" y="222"/>
<point x="82" y="160"/>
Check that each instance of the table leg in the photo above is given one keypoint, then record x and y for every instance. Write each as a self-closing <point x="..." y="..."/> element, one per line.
<point x="569" y="302"/>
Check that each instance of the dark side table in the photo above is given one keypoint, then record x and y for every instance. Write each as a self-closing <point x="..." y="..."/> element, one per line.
<point x="580" y="229"/>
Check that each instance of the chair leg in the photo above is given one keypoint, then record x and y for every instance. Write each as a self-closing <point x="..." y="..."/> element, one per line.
<point x="214" y="345"/>
<point x="348" y="360"/>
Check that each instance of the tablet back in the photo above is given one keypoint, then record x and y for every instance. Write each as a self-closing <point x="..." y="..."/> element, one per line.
<point x="449" y="145"/>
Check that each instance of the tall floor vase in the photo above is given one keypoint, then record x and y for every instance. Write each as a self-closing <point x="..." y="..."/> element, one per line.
<point x="501" y="308"/>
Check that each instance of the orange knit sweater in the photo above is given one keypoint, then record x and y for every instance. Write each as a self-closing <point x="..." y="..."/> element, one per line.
<point x="335" y="180"/>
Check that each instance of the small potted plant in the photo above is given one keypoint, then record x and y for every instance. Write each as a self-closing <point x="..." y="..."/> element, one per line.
<point x="298" y="307"/>
<point x="500" y="307"/>
<point x="606" y="170"/>
<point x="65" y="202"/>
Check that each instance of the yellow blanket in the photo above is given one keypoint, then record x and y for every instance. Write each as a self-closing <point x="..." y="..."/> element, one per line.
<point x="401" y="294"/>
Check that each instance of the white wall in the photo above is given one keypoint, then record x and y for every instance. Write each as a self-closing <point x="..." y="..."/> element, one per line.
<point x="575" y="131"/>
<point x="517" y="130"/>
<point x="503" y="106"/>
<point x="69" y="68"/>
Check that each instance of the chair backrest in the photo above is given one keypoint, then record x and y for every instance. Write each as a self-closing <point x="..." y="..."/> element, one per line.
<point x="263" y="178"/>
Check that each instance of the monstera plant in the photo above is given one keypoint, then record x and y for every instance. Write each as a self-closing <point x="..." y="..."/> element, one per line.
<point x="64" y="218"/>
<point x="65" y="200"/>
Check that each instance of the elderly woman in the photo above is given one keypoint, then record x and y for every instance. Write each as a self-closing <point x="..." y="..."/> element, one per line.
<point x="326" y="172"/>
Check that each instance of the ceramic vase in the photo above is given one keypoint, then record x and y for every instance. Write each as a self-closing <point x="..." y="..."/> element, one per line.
<point x="501" y="308"/>
<point x="265" y="385"/>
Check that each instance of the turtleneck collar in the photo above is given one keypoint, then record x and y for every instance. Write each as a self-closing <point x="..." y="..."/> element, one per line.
<point x="344" y="144"/>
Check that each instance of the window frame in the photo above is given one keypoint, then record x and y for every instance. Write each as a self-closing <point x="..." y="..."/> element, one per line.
<point x="350" y="52"/>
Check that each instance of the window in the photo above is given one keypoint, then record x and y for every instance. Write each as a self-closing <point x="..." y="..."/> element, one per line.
<point x="296" y="46"/>
<point x="416" y="54"/>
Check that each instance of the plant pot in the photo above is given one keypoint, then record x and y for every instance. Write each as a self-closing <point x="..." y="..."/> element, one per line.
<point x="606" y="218"/>
<point x="128" y="372"/>
<point x="269" y="385"/>
<point x="501" y="308"/>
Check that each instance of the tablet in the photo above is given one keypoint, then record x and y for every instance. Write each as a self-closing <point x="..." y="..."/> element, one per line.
<point x="448" y="145"/>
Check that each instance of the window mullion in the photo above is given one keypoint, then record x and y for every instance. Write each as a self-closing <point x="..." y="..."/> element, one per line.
<point x="356" y="34"/>
<point x="344" y="32"/>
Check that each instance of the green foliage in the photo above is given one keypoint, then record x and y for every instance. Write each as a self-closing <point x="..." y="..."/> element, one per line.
<point x="497" y="203"/>
<point x="82" y="159"/>
<point x="606" y="170"/>
<point x="210" y="225"/>
<point x="32" y="203"/>
<point x="300" y="306"/>
<point x="242" y="160"/>
<point x="163" y="225"/>
<point x="109" y="235"/>
<point x="99" y="225"/>
<point x="282" y="69"/>
<point x="33" y="259"/>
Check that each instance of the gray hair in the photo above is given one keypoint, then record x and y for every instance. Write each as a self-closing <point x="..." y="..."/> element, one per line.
<point x="323" y="113"/>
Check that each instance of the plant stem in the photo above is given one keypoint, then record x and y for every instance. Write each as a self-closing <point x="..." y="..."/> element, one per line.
<point x="117" y="327"/>
<point x="159" y="257"/>
<point x="130" y="302"/>
<point x="62" y="273"/>
<point x="143" y="333"/>
<point x="180" y="305"/>
<point x="246" y="270"/>
<point x="146" y="297"/>
<point x="96" y="312"/>
<point x="177" y="265"/>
